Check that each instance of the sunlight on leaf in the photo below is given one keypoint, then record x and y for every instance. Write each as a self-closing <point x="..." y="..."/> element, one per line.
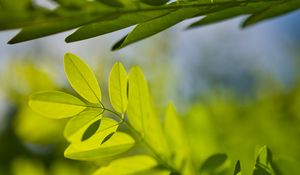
<point x="107" y="138"/>
<point x="55" y="104"/>
<point x="141" y="114"/>
<point x="77" y="126"/>
<point x="175" y="136"/>
<point x="92" y="129"/>
<point x="138" y="99"/>
<point x="128" y="165"/>
<point x="118" y="88"/>
<point x="92" y="149"/>
<point x="82" y="78"/>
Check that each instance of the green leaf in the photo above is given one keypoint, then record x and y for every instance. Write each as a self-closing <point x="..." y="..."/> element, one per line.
<point x="78" y="125"/>
<point x="108" y="26"/>
<point x="263" y="165"/>
<point x="107" y="138"/>
<point x="114" y="3"/>
<point x="214" y="162"/>
<point x="175" y="136"/>
<point x="91" y="130"/>
<point x="222" y="14"/>
<point x="49" y="26"/>
<point x="155" y="2"/>
<point x="237" y="170"/>
<point x="154" y="171"/>
<point x="55" y="104"/>
<point x="92" y="148"/>
<point x="82" y="79"/>
<point x="128" y="165"/>
<point x="138" y="99"/>
<point x="141" y="114"/>
<point x="117" y="87"/>
<point x="154" y="26"/>
<point x="273" y="11"/>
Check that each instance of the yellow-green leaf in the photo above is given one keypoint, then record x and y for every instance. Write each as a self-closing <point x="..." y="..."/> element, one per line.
<point x="141" y="114"/>
<point x="82" y="79"/>
<point x="92" y="148"/>
<point x="128" y="165"/>
<point x="55" y="104"/>
<point x="175" y="136"/>
<point x="138" y="99"/>
<point x="78" y="125"/>
<point x="155" y="171"/>
<point x="118" y="88"/>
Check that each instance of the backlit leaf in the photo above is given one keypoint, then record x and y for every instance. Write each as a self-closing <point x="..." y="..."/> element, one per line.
<point x="155" y="171"/>
<point x="92" y="129"/>
<point x="82" y="79"/>
<point x="141" y="114"/>
<point x="77" y="126"/>
<point x="92" y="148"/>
<point x="118" y="88"/>
<point x="128" y="165"/>
<point x="55" y="104"/>
<point x="175" y="135"/>
<point x="138" y="99"/>
<point x="107" y="138"/>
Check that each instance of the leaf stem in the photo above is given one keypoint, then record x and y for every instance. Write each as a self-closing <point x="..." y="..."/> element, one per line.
<point x="157" y="156"/>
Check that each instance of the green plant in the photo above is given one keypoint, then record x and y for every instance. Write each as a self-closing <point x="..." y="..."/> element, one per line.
<point x="94" y="130"/>
<point x="98" y="17"/>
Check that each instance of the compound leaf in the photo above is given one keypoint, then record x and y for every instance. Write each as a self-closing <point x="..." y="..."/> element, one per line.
<point x="128" y="165"/>
<point x="82" y="79"/>
<point x="55" y="104"/>
<point x="118" y="88"/>
<point x="91" y="130"/>
<point x="76" y="128"/>
<point x="92" y="148"/>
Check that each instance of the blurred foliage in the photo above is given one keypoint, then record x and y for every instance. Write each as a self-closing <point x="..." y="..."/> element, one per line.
<point x="30" y="144"/>
<point x="220" y="129"/>
<point x="98" y="17"/>
<point x="221" y="125"/>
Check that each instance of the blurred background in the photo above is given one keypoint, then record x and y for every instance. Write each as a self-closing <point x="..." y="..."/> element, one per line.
<point x="236" y="91"/>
